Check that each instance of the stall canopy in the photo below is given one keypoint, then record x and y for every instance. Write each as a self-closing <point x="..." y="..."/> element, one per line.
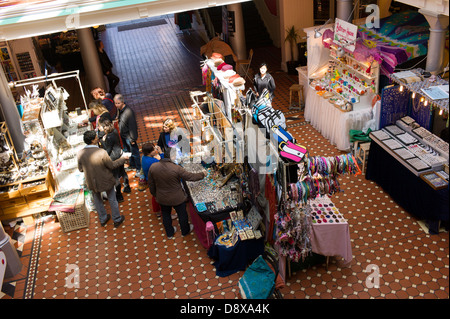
<point x="399" y="38"/>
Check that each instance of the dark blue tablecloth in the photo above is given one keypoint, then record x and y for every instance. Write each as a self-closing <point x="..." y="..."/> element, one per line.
<point x="229" y="260"/>
<point x="406" y="189"/>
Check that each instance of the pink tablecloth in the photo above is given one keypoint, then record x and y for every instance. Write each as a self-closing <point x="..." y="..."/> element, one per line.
<point x="199" y="225"/>
<point x="332" y="240"/>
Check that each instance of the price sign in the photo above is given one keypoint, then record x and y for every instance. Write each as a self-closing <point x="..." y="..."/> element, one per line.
<point x="345" y="34"/>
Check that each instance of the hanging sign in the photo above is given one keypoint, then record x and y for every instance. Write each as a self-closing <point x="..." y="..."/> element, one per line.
<point x="345" y="34"/>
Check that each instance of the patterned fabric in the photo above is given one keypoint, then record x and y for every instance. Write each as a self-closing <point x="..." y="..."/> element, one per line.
<point x="400" y="37"/>
<point x="258" y="281"/>
<point x="394" y="105"/>
<point x="419" y="112"/>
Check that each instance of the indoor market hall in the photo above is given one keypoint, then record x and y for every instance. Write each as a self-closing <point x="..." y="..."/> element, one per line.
<point x="158" y="66"/>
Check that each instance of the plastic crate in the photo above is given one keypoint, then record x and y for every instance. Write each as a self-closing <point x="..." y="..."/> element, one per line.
<point x="78" y="219"/>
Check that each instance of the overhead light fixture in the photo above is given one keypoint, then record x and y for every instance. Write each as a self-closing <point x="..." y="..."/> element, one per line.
<point x="317" y="33"/>
<point x="440" y="112"/>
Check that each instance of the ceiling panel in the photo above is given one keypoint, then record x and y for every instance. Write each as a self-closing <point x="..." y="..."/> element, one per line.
<point x="45" y="17"/>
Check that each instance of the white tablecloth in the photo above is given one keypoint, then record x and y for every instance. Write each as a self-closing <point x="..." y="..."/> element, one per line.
<point x="333" y="124"/>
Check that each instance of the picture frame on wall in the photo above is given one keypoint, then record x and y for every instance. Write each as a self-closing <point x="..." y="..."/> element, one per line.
<point x="434" y="180"/>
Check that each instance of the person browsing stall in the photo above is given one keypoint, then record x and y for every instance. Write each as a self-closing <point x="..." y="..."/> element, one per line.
<point x="164" y="178"/>
<point x="100" y="112"/>
<point x="111" y="143"/>
<point x="129" y="132"/>
<point x="172" y="137"/>
<point x="151" y="154"/>
<point x="98" y="167"/>
<point x="106" y="99"/>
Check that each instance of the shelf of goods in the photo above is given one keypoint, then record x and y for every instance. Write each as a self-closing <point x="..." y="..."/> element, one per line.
<point x="48" y="164"/>
<point x="347" y="84"/>
<point x="23" y="198"/>
<point x="415" y="147"/>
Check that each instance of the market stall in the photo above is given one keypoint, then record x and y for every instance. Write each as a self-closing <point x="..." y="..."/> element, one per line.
<point x="340" y="87"/>
<point x="406" y="152"/>
<point x="279" y="183"/>
<point x="411" y="164"/>
<point x="48" y="165"/>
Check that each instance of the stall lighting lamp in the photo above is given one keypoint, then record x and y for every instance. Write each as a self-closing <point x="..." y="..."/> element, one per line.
<point x="426" y="103"/>
<point x="440" y="112"/>
<point x="401" y="88"/>
<point x="414" y="95"/>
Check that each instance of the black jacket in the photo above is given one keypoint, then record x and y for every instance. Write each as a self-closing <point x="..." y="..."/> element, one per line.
<point x="127" y="124"/>
<point x="267" y="83"/>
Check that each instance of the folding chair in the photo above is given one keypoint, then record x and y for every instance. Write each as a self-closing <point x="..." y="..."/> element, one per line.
<point x="246" y="65"/>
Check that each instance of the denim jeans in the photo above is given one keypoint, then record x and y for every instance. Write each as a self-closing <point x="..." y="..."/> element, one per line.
<point x="135" y="159"/>
<point x="100" y="207"/>
<point x="166" y="212"/>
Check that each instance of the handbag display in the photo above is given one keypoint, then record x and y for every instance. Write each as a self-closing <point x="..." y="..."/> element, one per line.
<point x="293" y="152"/>
<point x="281" y="134"/>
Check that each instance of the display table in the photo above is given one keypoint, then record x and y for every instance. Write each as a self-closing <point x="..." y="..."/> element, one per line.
<point x="407" y="189"/>
<point x="229" y="260"/>
<point x="332" y="240"/>
<point x="332" y="123"/>
<point x="329" y="234"/>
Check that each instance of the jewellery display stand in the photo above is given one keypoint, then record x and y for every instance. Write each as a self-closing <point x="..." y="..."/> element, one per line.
<point x="420" y="152"/>
<point x="50" y="147"/>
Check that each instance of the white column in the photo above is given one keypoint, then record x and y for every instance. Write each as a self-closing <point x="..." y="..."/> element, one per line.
<point x="91" y="61"/>
<point x="11" y="115"/>
<point x="438" y="26"/>
<point x="344" y="10"/>
<point x="237" y="38"/>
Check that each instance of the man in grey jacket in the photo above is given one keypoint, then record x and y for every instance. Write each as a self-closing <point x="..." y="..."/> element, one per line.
<point x="97" y="167"/>
<point x="165" y="183"/>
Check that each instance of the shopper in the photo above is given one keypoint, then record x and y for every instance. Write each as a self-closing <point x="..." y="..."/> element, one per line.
<point x="100" y="112"/>
<point x="98" y="168"/>
<point x="106" y="99"/>
<point x="113" y="80"/>
<point x="151" y="154"/>
<point x="164" y="178"/>
<point x="264" y="80"/>
<point x="111" y="143"/>
<point x="172" y="137"/>
<point x="129" y="133"/>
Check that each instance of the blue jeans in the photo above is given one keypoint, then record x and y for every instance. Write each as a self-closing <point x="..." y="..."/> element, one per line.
<point x="100" y="207"/>
<point x="135" y="159"/>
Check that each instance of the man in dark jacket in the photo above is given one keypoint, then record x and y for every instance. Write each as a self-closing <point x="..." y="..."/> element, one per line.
<point x="128" y="132"/>
<point x="164" y="179"/>
<point x="107" y="66"/>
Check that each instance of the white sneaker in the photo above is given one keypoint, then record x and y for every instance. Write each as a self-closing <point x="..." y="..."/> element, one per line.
<point x="191" y="228"/>
<point x="174" y="231"/>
